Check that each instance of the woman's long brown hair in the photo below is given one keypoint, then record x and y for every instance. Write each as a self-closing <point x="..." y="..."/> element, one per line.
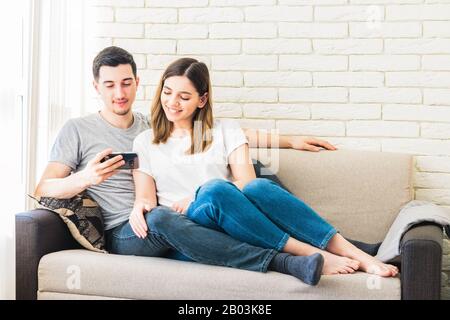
<point x="197" y="72"/>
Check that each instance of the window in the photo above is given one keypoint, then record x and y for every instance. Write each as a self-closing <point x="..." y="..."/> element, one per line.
<point x="13" y="94"/>
<point x="64" y="73"/>
<point x="43" y="84"/>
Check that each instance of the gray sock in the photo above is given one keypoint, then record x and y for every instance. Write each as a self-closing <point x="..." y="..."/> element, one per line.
<point x="308" y="269"/>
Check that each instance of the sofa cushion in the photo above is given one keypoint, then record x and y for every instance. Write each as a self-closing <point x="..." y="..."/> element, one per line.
<point x="67" y="296"/>
<point x="358" y="192"/>
<point x="86" y="273"/>
<point x="83" y="218"/>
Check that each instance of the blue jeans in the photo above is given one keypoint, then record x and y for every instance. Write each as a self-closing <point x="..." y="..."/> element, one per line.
<point x="174" y="236"/>
<point x="262" y="214"/>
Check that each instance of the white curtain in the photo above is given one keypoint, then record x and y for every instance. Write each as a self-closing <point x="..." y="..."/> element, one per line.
<point x="64" y="72"/>
<point x="13" y="86"/>
<point x="43" y="84"/>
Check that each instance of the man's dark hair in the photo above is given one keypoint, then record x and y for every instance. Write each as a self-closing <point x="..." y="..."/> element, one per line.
<point x="112" y="57"/>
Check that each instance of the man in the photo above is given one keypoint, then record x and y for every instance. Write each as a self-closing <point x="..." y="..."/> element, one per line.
<point x="75" y="166"/>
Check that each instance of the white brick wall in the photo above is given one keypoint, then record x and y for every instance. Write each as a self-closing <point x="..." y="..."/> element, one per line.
<point x="364" y="74"/>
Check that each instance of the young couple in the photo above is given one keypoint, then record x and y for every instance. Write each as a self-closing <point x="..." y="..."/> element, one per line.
<point x="212" y="208"/>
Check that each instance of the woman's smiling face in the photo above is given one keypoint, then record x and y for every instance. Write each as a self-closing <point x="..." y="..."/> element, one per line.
<point x="180" y="100"/>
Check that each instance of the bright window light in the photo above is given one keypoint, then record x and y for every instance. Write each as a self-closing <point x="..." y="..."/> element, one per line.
<point x="13" y="24"/>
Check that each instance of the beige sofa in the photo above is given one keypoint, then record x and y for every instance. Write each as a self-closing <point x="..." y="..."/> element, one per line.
<point x="359" y="192"/>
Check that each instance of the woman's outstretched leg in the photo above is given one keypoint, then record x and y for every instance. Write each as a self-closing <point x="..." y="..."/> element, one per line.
<point x="220" y="205"/>
<point x="289" y="213"/>
<point x="293" y="215"/>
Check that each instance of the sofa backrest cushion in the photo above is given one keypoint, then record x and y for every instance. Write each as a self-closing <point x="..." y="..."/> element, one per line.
<point x="358" y="192"/>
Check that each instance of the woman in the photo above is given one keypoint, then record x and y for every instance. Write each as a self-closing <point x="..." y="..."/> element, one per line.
<point x="201" y="168"/>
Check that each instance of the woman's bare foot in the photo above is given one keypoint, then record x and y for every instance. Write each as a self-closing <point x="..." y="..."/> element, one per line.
<point x="372" y="265"/>
<point x="369" y="264"/>
<point x="334" y="264"/>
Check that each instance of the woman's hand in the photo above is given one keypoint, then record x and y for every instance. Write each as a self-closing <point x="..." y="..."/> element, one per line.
<point x="145" y="192"/>
<point x="183" y="205"/>
<point x="309" y="144"/>
<point x="137" y="219"/>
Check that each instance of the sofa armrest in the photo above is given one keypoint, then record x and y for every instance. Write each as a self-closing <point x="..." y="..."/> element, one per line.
<point x="421" y="262"/>
<point x="38" y="232"/>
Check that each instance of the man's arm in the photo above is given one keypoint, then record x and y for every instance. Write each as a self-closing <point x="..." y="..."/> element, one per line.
<point x="260" y="139"/>
<point x="57" y="182"/>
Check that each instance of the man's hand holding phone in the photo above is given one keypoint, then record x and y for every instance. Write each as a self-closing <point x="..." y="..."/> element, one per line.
<point x="97" y="171"/>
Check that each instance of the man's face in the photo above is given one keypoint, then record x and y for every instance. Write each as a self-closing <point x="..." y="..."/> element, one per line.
<point x="117" y="86"/>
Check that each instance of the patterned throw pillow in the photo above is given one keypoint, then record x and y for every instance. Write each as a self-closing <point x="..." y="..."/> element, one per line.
<point x="83" y="218"/>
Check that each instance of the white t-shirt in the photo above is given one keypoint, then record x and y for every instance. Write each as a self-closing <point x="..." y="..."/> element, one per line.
<point x="178" y="175"/>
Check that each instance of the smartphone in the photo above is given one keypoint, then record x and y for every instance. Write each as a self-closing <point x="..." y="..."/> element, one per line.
<point x="131" y="160"/>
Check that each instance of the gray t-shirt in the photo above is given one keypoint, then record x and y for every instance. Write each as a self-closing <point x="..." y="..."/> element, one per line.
<point x="80" y="140"/>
